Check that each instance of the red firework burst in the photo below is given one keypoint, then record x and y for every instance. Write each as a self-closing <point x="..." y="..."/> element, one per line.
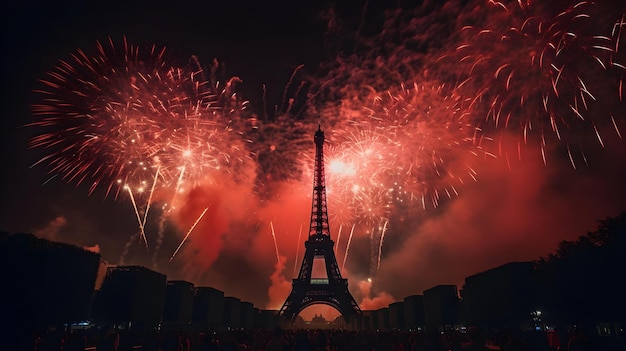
<point x="548" y="70"/>
<point x="123" y="118"/>
<point x="433" y="144"/>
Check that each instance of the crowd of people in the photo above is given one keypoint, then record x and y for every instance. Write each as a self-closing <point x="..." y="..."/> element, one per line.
<point x="473" y="339"/>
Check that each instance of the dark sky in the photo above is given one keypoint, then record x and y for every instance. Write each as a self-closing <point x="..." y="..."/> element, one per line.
<point x="516" y="210"/>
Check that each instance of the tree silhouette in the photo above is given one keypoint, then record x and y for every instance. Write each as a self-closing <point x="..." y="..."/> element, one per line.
<point x="583" y="280"/>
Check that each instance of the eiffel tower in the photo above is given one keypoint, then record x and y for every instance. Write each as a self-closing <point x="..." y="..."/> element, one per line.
<point x="331" y="290"/>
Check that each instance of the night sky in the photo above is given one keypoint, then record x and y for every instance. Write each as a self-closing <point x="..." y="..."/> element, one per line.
<point x="518" y="207"/>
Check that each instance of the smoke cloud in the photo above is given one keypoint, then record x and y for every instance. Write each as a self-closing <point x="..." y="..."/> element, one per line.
<point x="51" y="230"/>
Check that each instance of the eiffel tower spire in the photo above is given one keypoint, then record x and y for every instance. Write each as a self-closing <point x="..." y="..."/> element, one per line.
<point x="306" y="289"/>
<point x="319" y="213"/>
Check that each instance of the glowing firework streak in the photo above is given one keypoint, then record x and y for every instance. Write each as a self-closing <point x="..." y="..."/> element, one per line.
<point x="338" y="237"/>
<point x="188" y="233"/>
<point x="132" y="200"/>
<point x="145" y="215"/>
<point x="295" y="263"/>
<point x="275" y="243"/>
<point x="345" y="256"/>
<point x="380" y="247"/>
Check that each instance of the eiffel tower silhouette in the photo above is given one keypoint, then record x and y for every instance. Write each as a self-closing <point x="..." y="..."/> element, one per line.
<point x="331" y="290"/>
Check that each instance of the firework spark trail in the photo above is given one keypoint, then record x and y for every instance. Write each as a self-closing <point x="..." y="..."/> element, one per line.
<point x="188" y="233"/>
<point x="551" y="73"/>
<point x="338" y="237"/>
<point x="141" y="227"/>
<point x="275" y="243"/>
<point x="145" y="215"/>
<point x="295" y="262"/>
<point x="345" y="256"/>
<point x="291" y="78"/>
<point x="380" y="246"/>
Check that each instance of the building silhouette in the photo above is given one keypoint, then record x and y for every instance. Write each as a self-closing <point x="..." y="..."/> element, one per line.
<point x="178" y="308"/>
<point x="208" y="308"/>
<point x="131" y="295"/>
<point x="44" y="283"/>
<point x="414" y="312"/>
<point x="504" y="296"/>
<point x="232" y="312"/>
<point x="397" y="315"/>
<point x="441" y="307"/>
<point x="247" y="315"/>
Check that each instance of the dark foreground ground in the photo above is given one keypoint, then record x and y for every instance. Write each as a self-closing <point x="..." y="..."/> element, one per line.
<point x="108" y="339"/>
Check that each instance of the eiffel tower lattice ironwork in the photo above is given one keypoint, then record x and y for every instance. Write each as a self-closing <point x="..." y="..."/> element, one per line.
<point x="306" y="289"/>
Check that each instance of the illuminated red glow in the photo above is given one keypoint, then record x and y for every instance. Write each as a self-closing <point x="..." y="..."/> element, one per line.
<point x="124" y="119"/>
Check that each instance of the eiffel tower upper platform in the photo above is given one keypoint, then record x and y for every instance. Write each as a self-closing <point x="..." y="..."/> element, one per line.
<point x="331" y="290"/>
